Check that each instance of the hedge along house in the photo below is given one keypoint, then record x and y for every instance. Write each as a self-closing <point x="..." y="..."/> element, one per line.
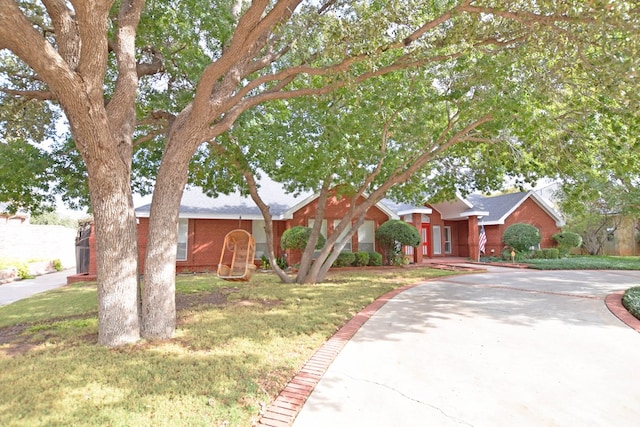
<point x="204" y="222"/>
<point x="453" y="228"/>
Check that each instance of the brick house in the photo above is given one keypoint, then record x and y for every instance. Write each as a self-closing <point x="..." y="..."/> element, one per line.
<point x="452" y="228"/>
<point x="449" y="229"/>
<point x="204" y="222"/>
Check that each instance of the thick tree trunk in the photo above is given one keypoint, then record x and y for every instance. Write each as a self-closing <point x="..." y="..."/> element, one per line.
<point x="116" y="252"/>
<point x="159" y="283"/>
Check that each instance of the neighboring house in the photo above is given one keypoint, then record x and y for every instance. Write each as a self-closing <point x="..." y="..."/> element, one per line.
<point x="622" y="237"/>
<point x="449" y="229"/>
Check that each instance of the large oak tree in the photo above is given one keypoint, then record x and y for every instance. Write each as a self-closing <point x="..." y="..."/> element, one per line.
<point x="176" y="74"/>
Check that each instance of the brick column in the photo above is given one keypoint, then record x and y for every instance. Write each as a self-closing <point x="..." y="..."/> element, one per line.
<point x="417" y="252"/>
<point x="473" y="242"/>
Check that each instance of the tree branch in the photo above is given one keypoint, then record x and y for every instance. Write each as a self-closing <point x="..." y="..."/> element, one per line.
<point x="40" y="95"/>
<point x="122" y="104"/>
<point x="66" y="31"/>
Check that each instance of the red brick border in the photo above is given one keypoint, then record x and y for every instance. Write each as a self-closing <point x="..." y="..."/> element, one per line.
<point x="286" y="406"/>
<point x="614" y="304"/>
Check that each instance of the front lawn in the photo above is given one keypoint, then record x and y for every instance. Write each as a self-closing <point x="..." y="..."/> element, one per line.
<point x="236" y="346"/>
<point x="585" y="263"/>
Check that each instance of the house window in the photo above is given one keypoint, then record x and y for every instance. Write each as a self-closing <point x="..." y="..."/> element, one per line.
<point x="323" y="228"/>
<point x="447" y="239"/>
<point x="437" y="240"/>
<point x="260" y="235"/>
<point x="347" y="246"/>
<point x="407" y="218"/>
<point x="323" y="231"/>
<point x="183" y="235"/>
<point x="367" y="237"/>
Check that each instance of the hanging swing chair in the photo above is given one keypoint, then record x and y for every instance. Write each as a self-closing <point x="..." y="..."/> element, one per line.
<point x="236" y="261"/>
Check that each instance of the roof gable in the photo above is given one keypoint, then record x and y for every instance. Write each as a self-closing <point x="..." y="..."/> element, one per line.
<point x="500" y="207"/>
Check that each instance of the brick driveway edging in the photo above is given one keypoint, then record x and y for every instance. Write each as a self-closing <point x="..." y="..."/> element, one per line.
<point x="614" y="304"/>
<point x="284" y="409"/>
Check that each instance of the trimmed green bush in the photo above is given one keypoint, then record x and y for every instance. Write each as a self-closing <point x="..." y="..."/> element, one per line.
<point x="522" y="237"/>
<point x="375" y="259"/>
<point x="394" y="234"/>
<point x="345" y="259"/>
<point x="631" y="301"/>
<point x="361" y="259"/>
<point x="567" y="240"/>
<point x="551" y="253"/>
<point x="296" y="238"/>
<point x="57" y="264"/>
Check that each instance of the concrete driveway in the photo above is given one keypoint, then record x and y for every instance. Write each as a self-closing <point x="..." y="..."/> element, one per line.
<point x="21" y="289"/>
<point x="503" y="348"/>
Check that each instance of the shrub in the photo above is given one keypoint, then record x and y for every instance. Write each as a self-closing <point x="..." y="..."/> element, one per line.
<point x="23" y="270"/>
<point x="566" y="241"/>
<point x="57" y="265"/>
<point x="631" y="301"/>
<point x="522" y="237"/>
<point x="538" y="254"/>
<point x="296" y="238"/>
<point x="264" y="263"/>
<point x="361" y="259"/>
<point x="506" y="255"/>
<point x="281" y="262"/>
<point x="551" y="253"/>
<point x="395" y="233"/>
<point x="375" y="259"/>
<point x="345" y="259"/>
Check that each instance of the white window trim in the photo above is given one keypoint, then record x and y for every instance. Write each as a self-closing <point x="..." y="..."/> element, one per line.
<point x="186" y="240"/>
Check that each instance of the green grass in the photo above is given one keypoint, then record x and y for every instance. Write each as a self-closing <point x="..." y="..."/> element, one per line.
<point x="586" y="263"/>
<point x="236" y="346"/>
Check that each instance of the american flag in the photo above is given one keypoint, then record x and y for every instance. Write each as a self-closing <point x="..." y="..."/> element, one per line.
<point x="483" y="239"/>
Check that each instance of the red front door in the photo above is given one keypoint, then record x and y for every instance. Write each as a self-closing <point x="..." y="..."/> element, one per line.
<point x="426" y="238"/>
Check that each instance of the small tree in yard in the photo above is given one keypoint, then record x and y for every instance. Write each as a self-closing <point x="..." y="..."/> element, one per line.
<point x="394" y="234"/>
<point x="521" y="237"/>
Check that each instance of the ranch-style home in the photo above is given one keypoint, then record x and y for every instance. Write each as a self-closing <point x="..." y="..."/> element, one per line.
<point x="449" y="229"/>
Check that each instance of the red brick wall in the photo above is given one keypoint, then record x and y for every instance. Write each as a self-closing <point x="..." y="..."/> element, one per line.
<point x="460" y="232"/>
<point x="336" y="209"/>
<point x="204" y="243"/>
<point x="528" y="212"/>
<point x="205" y="240"/>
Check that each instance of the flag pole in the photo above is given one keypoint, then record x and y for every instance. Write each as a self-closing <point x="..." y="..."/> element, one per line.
<point x="482" y="239"/>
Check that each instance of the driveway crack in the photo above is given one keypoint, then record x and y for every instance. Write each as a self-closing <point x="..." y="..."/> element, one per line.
<point x="395" y="390"/>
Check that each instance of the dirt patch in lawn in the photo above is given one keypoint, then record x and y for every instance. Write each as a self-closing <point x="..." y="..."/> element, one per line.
<point x="13" y="341"/>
